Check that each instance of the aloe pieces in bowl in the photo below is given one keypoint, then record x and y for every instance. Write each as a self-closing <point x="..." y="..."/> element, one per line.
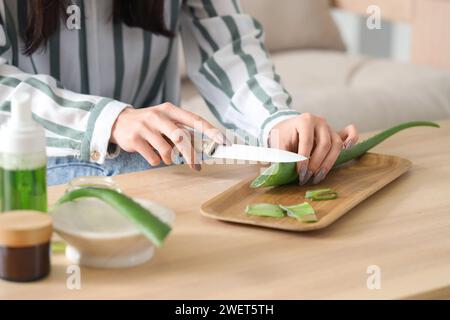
<point x="150" y="225"/>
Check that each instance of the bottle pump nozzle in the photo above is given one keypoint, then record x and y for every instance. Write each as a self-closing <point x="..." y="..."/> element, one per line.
<point x="20" y="110"/>
<point x="22" y="134"/>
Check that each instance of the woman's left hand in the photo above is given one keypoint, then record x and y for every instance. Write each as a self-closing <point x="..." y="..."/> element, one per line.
<point x="312" y="137"/>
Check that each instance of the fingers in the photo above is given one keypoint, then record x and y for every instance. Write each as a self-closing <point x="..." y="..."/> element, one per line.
<point x="194" y="121"/>
<point x="160" y="144"/>
<point x="154" y="131"/>
<point x="147" y="152"/>
<point x="305" y="145"/>
<point x="182" y="140"/>
<point x="349" y="136"/>
<point x="330" y="159"/>
<point x="312" y="136"/>
<point x="322" y="148"/>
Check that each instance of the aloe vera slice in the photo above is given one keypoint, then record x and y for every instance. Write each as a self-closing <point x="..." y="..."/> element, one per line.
<point x="58" y="246"/>
<point x="285" y="173"/>
<point x="321" y="194"/>
<point x="364" y="146"/>
<point x="303" y="212"/>
<point x="150" y="226"/>
<point x="265" y="210"/>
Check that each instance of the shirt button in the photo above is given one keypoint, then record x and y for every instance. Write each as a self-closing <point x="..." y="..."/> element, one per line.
<point x="95" y="155"/>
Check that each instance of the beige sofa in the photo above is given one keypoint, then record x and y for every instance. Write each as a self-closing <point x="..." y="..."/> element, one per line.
<point x="310" y="57"/>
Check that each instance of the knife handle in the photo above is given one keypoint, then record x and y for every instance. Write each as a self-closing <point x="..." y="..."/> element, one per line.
<point x="202" y="145"/>
<point x="209" y="146"/>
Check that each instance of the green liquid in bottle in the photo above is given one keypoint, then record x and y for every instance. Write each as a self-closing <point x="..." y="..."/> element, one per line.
<point x="23" y="189"/>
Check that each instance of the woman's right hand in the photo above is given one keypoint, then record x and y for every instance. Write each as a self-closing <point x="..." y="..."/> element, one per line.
<point x="311" y="136"/>
<point x="154" y="131"/>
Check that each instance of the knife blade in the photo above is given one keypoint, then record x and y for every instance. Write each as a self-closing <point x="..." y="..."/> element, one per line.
<point x="253" y="153"/>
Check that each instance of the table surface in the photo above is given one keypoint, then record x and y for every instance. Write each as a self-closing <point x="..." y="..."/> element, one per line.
<point x="404" y="229"/>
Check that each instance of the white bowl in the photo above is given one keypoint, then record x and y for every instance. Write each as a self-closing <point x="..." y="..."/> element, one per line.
<point x="102" y="237"/>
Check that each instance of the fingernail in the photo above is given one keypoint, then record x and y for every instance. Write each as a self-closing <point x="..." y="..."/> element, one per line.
<point x="226" y="141"/>
<point x="197" y="167"/>
<point x="222" y="140"/>
<point x="219" y="138"/>
<point x="307" y="177"/>
<point x="303" y="169"/>
<point x="349" y="145"/>
<point x="319" y="177"/>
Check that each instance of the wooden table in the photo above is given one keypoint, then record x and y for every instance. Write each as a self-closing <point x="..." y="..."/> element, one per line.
<point x="403" y="229"/>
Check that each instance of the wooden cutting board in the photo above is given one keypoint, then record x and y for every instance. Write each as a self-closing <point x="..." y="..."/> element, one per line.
<point x="354" y="183"/>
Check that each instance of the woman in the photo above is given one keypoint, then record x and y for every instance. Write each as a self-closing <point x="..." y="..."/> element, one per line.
<point x="94" y="69"/>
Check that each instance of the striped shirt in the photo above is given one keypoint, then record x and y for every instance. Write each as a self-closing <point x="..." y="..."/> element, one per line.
<point x="83" y="78"/>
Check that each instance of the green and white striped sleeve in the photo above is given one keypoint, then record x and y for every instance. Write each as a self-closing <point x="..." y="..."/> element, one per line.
<point x="230" y="66"/>
<point x="76" y="124"/>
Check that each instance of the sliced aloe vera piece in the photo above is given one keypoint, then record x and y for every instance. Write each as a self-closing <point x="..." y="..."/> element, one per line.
<point x="321" y="194"/>
<point x="265" y="210"/>
<point x="303" y="212"/>
<point x="276" y="174"/>
<point x="58" y="246"/>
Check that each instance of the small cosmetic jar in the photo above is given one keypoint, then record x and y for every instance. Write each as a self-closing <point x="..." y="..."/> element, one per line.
<point x="25" y="245"/>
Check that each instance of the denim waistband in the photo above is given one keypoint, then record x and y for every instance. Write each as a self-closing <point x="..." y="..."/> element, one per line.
<point x="61" y="170"/>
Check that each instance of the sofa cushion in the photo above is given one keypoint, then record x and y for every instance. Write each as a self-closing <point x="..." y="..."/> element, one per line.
<point x="296" y="24"/>
<point x="371" y="93"/>
<point x="312" y="69"/>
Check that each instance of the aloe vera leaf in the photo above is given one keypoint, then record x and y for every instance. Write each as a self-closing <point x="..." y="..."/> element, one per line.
<point x="150" y="225"/>
<point x="265" y="210"/>
<point x="285" y="173"/>
<point x="303" y="212"/>
<point x="58" y="246"/>
<point x="364" y="146"/>
<point x="321" y="194"/>
<point x="276" y="174"/>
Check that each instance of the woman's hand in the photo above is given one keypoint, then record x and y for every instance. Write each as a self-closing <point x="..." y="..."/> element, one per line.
<point x="311" y="136"/>
<point x="153" y="132"/>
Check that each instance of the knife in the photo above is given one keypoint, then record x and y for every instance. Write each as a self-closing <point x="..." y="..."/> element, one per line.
<point x="250" y="153"/>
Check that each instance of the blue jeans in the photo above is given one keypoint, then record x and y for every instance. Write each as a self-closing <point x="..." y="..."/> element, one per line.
<point x="61" y="170"/>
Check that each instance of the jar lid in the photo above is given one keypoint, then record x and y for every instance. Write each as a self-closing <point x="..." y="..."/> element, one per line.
<point x="24" y="228"/>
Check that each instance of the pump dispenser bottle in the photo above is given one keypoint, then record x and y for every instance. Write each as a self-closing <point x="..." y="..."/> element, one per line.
<point x="22" y="160"/>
